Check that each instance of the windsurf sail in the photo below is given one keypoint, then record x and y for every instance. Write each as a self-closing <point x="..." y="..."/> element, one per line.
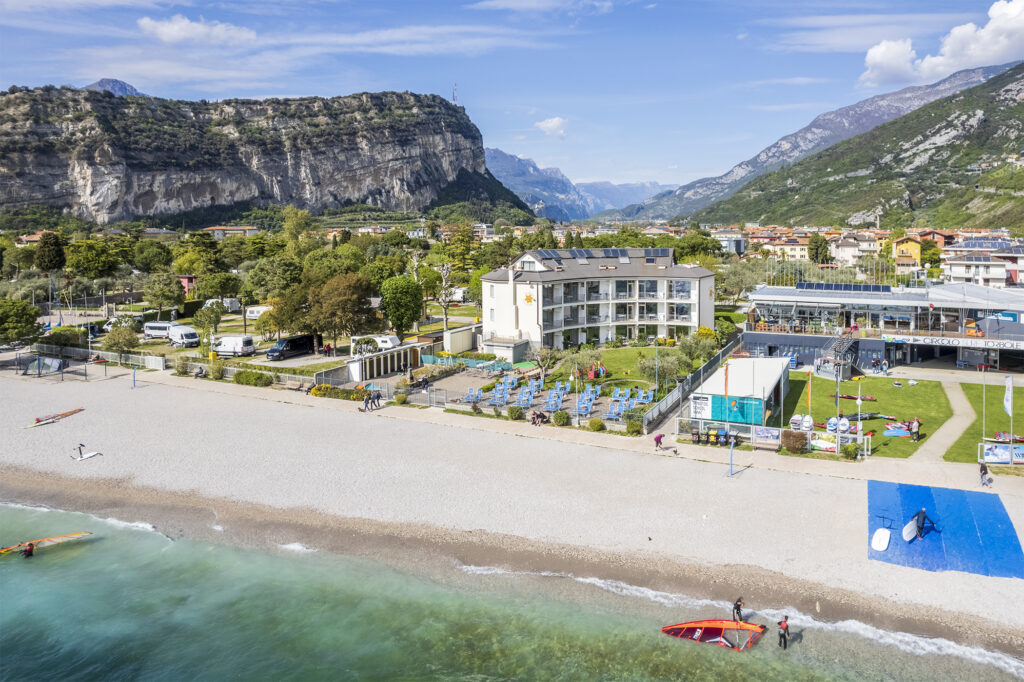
<point x="44" y="542"/>
<point x="51" y="418"/>
<point x="730" y="634"/>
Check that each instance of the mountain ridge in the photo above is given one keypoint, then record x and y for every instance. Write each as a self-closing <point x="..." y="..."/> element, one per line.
<point x="822" y="132"/>
<point x="114" y="87"/>
<point x="953" y="162"/>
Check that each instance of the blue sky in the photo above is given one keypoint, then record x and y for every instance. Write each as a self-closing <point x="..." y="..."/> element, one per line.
<point x="620" y="90"/>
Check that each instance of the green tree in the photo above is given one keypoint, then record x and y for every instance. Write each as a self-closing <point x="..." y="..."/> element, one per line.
<point x="91" y="259"/>
<point x="234" y="250"/>
<point x="120" y="340"/>
<point x="198" y="262"/>
<point x="271" y="277"/>
<point x="725" y="329"/>
<point x="206" y="321"/>
<point x="50" y="253"/>
<point x="545" y="359"/>
<point x="476" y="285"/>
<point x="817" y="249"/>
<point x="151" y="256"/>
<point x="18" y="321"/>
<point x="461" y="247"/>
<point x="297" y="222"/>
<point x="931" y="255"/>
<point x="341" y="306"/>
<point x="164" y="290"/>
<point x="396" y="237"/>
<point x="401" y="299"/>
<point x="706" y="333"/>
<point x="219" y="285"/>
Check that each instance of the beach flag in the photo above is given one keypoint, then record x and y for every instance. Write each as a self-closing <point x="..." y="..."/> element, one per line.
<point x="1008" y="396"/>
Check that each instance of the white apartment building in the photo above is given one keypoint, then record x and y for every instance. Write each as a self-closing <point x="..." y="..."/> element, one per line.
<point x="980" y="269"/>
<point x="557" y="298"/>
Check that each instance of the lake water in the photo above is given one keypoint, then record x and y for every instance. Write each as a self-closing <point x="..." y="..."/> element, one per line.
<point x="129" y="604"/>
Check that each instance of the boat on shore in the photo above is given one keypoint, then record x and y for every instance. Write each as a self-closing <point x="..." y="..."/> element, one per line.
<point x="736" y="635"/>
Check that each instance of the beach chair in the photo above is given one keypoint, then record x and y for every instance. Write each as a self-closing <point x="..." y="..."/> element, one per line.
<point x="525" y="398"/>
<point x="615" y="412"/>
<point x="615" y="394"/>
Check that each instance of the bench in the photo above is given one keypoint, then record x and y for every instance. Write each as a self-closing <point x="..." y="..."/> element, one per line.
<point x="295" y="385"/>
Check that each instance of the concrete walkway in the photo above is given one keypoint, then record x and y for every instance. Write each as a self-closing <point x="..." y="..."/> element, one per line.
<point x="943" y="438"/>
<point x="961" y="376"/>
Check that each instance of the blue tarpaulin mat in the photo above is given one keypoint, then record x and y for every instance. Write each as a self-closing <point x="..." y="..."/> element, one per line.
<point x="975" y="534"/>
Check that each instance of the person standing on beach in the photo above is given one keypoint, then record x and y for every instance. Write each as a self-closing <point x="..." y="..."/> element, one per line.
<point x="921" y="518"/>
<point x="915" y="429"/>
<point x="737" y="610"/>
<point x="784" y="633"/>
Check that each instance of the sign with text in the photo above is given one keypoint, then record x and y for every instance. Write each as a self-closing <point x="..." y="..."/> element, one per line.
<point x="700" y="407"/>
<point x="955" y="341"/>
<point x="999" y="453"/>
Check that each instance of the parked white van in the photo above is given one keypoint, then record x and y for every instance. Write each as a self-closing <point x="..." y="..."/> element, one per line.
<point x="183" y="336"/>
<point x="232" y="305"/>
<point x="234" y="345"/>
<point x="158" y="330"/>
<point x="254" y="312"/>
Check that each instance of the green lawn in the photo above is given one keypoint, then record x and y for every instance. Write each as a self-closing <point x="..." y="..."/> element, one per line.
<point x="926" y="400"/>
<point x="456" y="309"/>
<point x="965" y="449"/>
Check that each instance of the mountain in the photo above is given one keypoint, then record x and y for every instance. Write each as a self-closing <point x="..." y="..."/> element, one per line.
<point x="552" y="195"/>
<point x="821" y="133"/>
<point x="545" y="190"/>
<point x="108" y="158"/>
<point x="951" y="163"/>
<point x="606" y="195"/>
<point x="114" y="87"/>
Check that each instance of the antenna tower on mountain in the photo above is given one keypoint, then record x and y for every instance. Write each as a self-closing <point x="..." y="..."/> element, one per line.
<point x="455" y="93"/>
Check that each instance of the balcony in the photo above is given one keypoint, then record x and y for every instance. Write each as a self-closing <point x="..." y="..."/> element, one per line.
<point x="629" y="295"/>
<point x="597" y="295"/>
<point x="571" y="322"/>
<point x="596" y="319"/>
<point x="572" y="298"/>
<point x="624" y="317"/>
<point x="651" y="317"/>
<point x="681" y="319"/>
<point x="648" y="295"/>
<point x="552" y="323"/>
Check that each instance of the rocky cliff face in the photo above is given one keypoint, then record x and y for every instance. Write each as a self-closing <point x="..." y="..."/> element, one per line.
<point x="823" y="132"/>
<point x="110" y="158"/>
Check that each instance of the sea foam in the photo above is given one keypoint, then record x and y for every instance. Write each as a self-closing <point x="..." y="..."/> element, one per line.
<point x="297" y="547"/>
<point x="904" y="641"/>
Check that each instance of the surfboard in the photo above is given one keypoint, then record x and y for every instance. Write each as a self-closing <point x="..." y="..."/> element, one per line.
<point x="880" y="540"/>
<point x="897" y="433"/>
<point x="807" y="423"/>
<point x="910" y="530"/>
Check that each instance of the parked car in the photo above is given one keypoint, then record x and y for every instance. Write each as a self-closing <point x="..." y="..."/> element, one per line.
<point x="234" y="345"/>
<point x="109" y="324"/>
<point x="91" y="329"/>
<point x="290" y="347"/>
<point x="232" y="305"/>
<point x="183" y="336"/>
<point x="255" y="311"/>
<point x="158" y="330"/>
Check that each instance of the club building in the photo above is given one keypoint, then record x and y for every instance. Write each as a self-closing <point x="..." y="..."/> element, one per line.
<point x="962" y="324"/>
<point x="556" y="298"/>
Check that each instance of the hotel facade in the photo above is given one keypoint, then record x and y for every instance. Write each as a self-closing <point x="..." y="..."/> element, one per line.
<point x="558" y="298"/>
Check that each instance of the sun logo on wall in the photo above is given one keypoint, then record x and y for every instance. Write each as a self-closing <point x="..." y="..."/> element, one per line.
<point x="529" y="298"/>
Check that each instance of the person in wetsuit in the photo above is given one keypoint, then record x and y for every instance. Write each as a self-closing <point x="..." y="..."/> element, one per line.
<point x="921" y="518"/>
<point x="737" y="609"/>
<point x="29" y="550"/>
<point x="784" y="633"/>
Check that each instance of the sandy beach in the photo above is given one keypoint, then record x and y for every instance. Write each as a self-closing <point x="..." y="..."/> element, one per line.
<point x="266" y="472"/>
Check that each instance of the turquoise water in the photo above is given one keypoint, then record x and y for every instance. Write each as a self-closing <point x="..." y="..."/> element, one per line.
<point x="129" y="604"/>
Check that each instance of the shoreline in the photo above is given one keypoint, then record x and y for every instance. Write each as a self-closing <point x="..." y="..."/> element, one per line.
<point x="189" y="515"/>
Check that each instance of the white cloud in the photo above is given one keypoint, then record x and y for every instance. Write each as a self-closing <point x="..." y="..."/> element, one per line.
<point x="180" y="29"/>
<point x="854" y="32"/>
<point x="553" y="127"/>
<point x="965" y="46"/>
<point x="592" y="6"/>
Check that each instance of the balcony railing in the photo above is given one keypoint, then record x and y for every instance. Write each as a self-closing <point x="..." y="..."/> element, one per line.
<point x="552" y="300"/>
<point x="622" y="317"/>
<point x="572" y="298"/>
<point x="650" y="317"/>
<point x="552" y="323"/>
<point x="624" y="297"/>
<point x="570" y="322"/>
<point x="681" y="318"/>
<point x="596" y="319"/>
<point x="649" y="295"/>
<point x="597" y="295"/>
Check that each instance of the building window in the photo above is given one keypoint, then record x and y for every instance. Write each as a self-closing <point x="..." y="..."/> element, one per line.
<point x="679" y="288"/>
<point x="492" y="291"/>
<point x="528" y="266"/>
<point x="492" y="314"/>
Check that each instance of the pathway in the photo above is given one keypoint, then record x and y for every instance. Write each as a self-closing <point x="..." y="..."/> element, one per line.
<point x="943" y="438"/>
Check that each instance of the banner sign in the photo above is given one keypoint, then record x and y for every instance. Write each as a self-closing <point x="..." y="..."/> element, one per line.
<point x="954" y="341"/>
<point x="700" y="407"/>
<point x="767" y="433"/>
<point x="999" y="453"/>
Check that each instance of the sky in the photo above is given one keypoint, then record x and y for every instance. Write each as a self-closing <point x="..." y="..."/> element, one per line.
<point x="616" y="90"/>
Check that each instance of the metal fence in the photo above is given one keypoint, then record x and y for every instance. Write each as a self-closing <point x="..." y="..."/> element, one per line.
<point x="73" y="352"/>
<point x="684" y="388"/>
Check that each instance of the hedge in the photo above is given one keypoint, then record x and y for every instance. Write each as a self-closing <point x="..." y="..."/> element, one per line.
<point x="515" y="412"/>
<point x="186" y="309"/>
<point x="634" y="427"/>
<point x="328" y="391"/>
<point x="251" y="378"/>
<point x="472" y="355"/>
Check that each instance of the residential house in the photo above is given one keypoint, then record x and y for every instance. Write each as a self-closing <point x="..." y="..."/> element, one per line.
<point x="907" y="247"/>
<point x="219" y="232"/>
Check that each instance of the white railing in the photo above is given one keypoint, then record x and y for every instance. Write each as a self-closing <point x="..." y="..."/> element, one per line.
<point x="76" y="353"/>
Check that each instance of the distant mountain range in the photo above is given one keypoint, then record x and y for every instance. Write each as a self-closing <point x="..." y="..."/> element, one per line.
<point x="950" y="163"/>
<point x="115" y="87"/>
<point x="552" y="195"/>
<point x="821" y="133"/>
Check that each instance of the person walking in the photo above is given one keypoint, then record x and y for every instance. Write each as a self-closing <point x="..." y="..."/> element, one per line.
<point x="376" y="400"/>
<point x="657" y="441"/>
<point x="737" y="610"/>
<point x="366" y="403"/>
<point x="985" y="480"/>
<point x="922" y="518"/>
<point x="784" y="633"/>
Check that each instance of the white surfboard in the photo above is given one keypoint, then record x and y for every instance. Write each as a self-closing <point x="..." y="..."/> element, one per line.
<point x="880" y="540"/>
<point x="844" y="425"/>
<point x="910" y="530"/>
<point x="808" y="422"/>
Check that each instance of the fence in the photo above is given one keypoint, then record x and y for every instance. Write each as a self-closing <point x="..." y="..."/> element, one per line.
<point x="684" y="388"/>
<point x="75" y="353"/>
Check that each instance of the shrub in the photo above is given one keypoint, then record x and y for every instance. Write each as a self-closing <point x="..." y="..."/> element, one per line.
<point x="634" y="427"/>
<point x="249" y="377"/>
<point x="471" y="355"/>
<point x="487" y="388"/>
<point x="596" y="424"/>
<point x="613" y="343"/>
<point x="328" y="391"/>
<point x="497" y="412"/>
<point x="181" y="365"/>
<point x="794" y="441"/>
<point x="216" y="370"/>
<point x="561" y="418"/>
<point x="515" y="412"/>
<point x="401" y="398"/>
<point x="476" y="409"/>
<point x="850" y="451"/>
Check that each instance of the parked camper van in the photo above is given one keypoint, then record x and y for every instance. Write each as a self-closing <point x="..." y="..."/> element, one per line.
<point x="234" y="345"/>
<point x="183" y="336"/>
<point x="291" y="346"/>
<point x="158" y="330"/>
<point x="254" y="312"/>
<point x="232" y="305"/>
